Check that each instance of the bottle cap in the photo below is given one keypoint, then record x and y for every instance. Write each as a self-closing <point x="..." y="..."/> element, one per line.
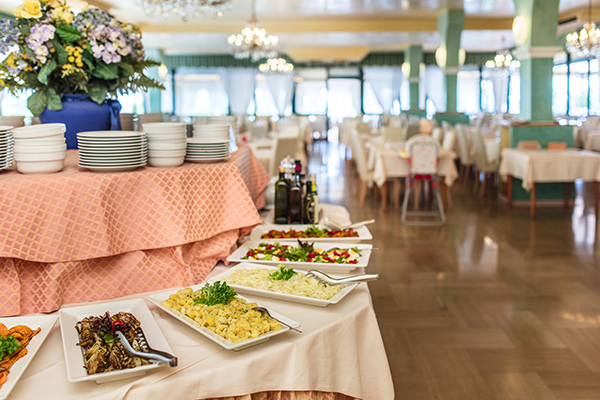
<point x="281" y="170"/>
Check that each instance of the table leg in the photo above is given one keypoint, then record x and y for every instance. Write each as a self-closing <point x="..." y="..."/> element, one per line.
<point x="509" y="183"/>
<point x="396" y="192"/>
<point x="566" y="202"/>
<point x="444" y="190"/>
<point x="532" y="205"/>
<point x="384" y="196"/>
<point x="596" y="199"/>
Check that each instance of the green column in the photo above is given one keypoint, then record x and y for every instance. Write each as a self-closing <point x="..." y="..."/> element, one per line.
<point x="537" y="22"/>
<point x="413" y="56"/>
<point x="154" y="94"/>
<point x="450" y="25"/>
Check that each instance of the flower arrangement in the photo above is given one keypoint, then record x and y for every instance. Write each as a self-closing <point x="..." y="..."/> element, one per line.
<point x="54" y="52"/>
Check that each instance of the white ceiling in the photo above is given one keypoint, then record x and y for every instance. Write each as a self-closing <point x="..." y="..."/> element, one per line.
<point x="206" y="35"/>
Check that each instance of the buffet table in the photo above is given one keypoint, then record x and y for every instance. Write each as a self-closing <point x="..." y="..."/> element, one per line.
<point x="534" y="166"/>
<point x="78" y="236"/>
<point x="339" y="355"/>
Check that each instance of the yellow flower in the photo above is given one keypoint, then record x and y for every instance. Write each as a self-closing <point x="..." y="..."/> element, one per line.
<point x="10" y="60"/>
<point x="87" y="5"/>
<point x="62" y="14"/>
<point x="29" y="9"/>
<point x="71" y="59"/>
<point x="52" y="3"/>
<point x="2" y="83"/>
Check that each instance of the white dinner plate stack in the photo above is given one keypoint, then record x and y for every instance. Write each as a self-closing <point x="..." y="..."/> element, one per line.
<point x="234" y="131"/>
<point x="209" y="144"/>
<point x="112" y="151"/>
<point x="6" y="146"/>
<point x="40" y="149"/>
<point x="166" y="143"/>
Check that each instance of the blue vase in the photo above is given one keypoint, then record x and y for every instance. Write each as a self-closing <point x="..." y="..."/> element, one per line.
<point x="81" y="114"/>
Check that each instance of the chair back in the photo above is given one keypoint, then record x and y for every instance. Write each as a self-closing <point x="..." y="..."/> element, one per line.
<point x="412" y="129"/>
<point x="557" y="146"/>
<point x="449" y="141"/>
<point x="463" y="146"/>
<point x="363" y="127"/>
<point x="438" y="134"/>
<point x="391" y="133"/>
<point x="283" y="146"/>
<point x="529" y="145"/>
<point x="148" y="118"/>
<point x="359" y="155"/>
<point x="593" y="142"/>
<point x="14" y="121"/>
<point x="259" y="128"/>
<point x="127" y="122"/>
<point x="423" y="154"/>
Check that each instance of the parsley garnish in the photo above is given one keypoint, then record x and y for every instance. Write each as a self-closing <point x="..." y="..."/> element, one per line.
<point x="217" y="293"/>
<point x="8" y="346"/>
<point x="282" y="273"/>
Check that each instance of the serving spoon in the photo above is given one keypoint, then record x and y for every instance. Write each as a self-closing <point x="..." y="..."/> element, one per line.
<point x="262" y="309"/>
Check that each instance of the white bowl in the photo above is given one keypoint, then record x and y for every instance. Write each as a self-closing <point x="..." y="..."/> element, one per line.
<point x="37" y="131"/>
<point x="166" y="153"/>
<point x="5" y="128"/>
<point x="173" y="139"/>
<point x="161" y="145"/>
<point x="165" y="161"/>
<point x="56" y="155"/>
<point x="40" y="167"/>
<point x="43" y="141"/>
<point x="40" y="149"/>
<point x="160" y="126"/>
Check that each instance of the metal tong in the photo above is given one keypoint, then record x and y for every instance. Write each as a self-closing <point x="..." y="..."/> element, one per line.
<point x="154" y="356"/>
<point x="336" y="281"/>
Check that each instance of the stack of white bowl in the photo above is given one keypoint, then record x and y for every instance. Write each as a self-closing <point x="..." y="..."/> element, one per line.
<point x="166" y="143"/>
<point x="112" y="151"/>
<point x="6" y="146"/>
<point x="40" y="149"/>
<point x="234" y="131"/>
<point x="209" y="144"/>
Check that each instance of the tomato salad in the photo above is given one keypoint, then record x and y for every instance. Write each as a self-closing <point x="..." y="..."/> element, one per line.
<point x="304" y="252"/>
<point x="310" y="232"/>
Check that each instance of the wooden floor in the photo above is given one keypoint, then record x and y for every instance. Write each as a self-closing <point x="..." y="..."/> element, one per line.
<point x="491" y="306"/>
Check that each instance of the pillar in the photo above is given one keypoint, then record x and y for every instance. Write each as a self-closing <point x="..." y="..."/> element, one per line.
<point x="535" y="29"/>
<point x="413" y="57"/>
<point x="154" y="95"/>
<point x="450" y="25"/>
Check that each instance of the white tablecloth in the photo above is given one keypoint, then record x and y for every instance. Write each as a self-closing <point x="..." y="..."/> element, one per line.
<point x="386" y="163"/>
<point x="550" y="166"/>
<point x="340" y="350"/>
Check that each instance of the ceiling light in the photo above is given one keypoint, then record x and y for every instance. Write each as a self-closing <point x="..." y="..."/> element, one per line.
<point x="253" y="42"/>
<point x="503" y="61"/>
<point x="276" y="65"/>
<point x="185" y="8"/>
<point x="586" y="42"/>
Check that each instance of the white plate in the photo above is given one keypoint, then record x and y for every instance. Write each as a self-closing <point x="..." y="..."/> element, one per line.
<point x="200" y="141"/>
<point x="112" y="150"/>
<point x="212" y="154"/>
<point x="257" y="232"/>
<point x="121" y="168"/>
<point x="363" y="260"/>
<point x="45" y="322"/>
<point x="110" y="135"/>
<point x="111" y="162"/>
<point x="205" y="160"/>
<point x="244" y="344"/>
<point x="281" y="296"/>
<point x="74" y="355"/>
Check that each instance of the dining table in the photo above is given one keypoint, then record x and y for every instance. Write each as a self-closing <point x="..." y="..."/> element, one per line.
<point x="338" y="356"/>
<point x="536" y="166"/>
<point x="79" y="235"/>
<point x="386" y="161"/>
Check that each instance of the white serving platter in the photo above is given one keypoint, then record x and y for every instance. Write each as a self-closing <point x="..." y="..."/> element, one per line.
<point x="363" y="260"/>
<point x="281" y="296"/>
<point x="158" y="298"/>
<point x="258" y="231"/>
<point x="45" y="322"/>
<point x="74" y="355"/>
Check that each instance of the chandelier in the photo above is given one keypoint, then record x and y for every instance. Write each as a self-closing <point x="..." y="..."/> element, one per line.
<point x="503" y="61"/>
<point x="586" y="42"/>
<point x="185" y="8"/>
<point x="276" y="65"/>
<point x="253" y="41"/>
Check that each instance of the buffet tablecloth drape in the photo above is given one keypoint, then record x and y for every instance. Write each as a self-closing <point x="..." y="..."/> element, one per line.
<point x="78" y="235"/>
<point x="339" y="355"/>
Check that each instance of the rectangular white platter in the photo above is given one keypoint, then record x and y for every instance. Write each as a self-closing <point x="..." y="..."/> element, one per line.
<point x="277" y="295"/>
<point x="363" y="261"/>
<point x="258" y="231"/>
<point x="74" y="355"/>
<point x="158" y="298"/>
<point x="45" y="323"/>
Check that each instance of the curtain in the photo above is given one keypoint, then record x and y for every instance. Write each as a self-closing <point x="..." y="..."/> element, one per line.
<point x="435" y="87"/>
<point x="239" y="84"/>
<point x="200" y="92"/>
<point x="500" y="86"/>
<point x="386" y="82"/>
<point x="282" y="89"/>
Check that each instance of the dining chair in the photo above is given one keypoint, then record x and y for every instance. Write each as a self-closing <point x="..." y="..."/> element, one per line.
<point x="283" y="146"/>
<point x="363" y="127"/>
<point x="391" y="133"/>
<point x="148" y="118"/>
<point x="412" y="129"/>
<point x="14" y="121"/>
<point x="593" y="142"/>
<point x="423" y="158"/>
<point x="438" y="134"/>
<point x="557" y="146"/>
<point x="482" y="163"/>
<point x="467" y="160"/>
<point x="365" y="176"/>
<point x="529" y="145"/>
<point x="449" y="141"/>
<point x="127" y="121"/>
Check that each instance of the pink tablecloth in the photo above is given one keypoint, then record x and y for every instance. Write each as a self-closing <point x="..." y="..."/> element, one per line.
<point x="78" y="236"/>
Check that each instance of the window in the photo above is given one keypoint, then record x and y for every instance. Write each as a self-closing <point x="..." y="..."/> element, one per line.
<point x="15" y="105"/>
<point x="468" y="91"/>
<point x="514" y="93"/>
<point x="488" y="104"/>
<point x="578" y="88"/>
<point x="370" y="103"/>
<point x="343" y="99"/>
<point x="132" y="103"/>
<point x="311" y="98"/>
<point x="594" y="88"/>
<point x="560" y="92"/>
<point x="200" y="92"/>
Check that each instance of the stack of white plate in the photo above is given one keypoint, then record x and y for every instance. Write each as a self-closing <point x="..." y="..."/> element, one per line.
<point x="112" y="151"/>
<point x="40" y="149"/>
<point x="6" y="146"/>
<point x="166" y="143"/>
<point x="231" y="120"/>
<point x="207" y="149"/>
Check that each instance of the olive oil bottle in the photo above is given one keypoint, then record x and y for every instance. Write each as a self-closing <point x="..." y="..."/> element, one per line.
<point x="281" y="198"/>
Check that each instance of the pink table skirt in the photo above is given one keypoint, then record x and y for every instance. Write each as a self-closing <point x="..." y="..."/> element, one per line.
<point x="290" y="396"/>
<point x="80" y="236"/>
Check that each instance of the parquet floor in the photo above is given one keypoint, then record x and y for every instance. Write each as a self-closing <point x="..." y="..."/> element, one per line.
<point x="491" y="306"/>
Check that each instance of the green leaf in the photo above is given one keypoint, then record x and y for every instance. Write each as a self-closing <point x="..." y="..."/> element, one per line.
<point x="37" y="102"/>
<point x="106" y="71"/>
<point x="63" y="54"/>
<point x="127" y="69"/>
<point x="68" y="33"/>
<point x="30" y="53"/>
<point x="97" y="92"/>
<point x="54" y="102"/>
<point x="46" y="70"/>
<point x="88" y="59"/>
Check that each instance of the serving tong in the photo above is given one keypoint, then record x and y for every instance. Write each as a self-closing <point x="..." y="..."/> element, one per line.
<point x="150" y="354"/>
<point x="336" y="225"/>
<point x="266" y="311"/>
<point x="321" y="276"/>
